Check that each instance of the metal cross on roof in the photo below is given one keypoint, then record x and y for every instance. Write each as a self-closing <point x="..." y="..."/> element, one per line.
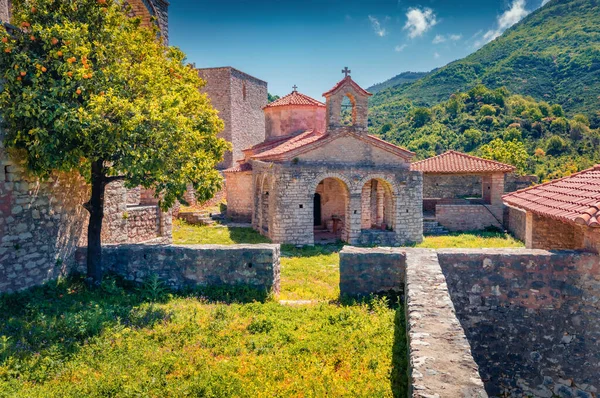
<point x="346" y="71"/>
<point x="294" y="88"/>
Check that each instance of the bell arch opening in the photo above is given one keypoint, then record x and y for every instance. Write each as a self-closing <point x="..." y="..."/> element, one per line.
<point x="348" y="110"/>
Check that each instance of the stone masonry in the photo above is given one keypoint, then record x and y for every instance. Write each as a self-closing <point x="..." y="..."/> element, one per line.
<point x="239" y="98"/>
<point x="366" y="271"/>
<point x="196" y="265"/>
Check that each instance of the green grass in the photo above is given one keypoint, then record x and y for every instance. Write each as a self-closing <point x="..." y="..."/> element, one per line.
<point x="64" y="340"/>
<point x="187" y="234"/>
<point x="471" y="240"/>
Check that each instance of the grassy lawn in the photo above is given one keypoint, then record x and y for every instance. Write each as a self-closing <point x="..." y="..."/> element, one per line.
<point x="185" y="234"/>
<point x="471" y="240"/>
<point x="64" y="340"/>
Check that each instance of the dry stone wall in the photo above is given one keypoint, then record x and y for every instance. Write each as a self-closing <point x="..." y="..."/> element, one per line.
<point x="365" y="271"/>
<point x="532" y="318"/>
<point x="451" y="186"/>
<point x="196" y="265"/>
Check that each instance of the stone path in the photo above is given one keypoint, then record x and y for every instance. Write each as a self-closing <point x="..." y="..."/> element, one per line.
<point x="441" y="361"/>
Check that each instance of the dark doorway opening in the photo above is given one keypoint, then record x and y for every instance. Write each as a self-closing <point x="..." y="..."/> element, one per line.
<point x="317" y="212"/>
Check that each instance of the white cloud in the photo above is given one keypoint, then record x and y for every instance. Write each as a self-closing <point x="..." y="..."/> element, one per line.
<point x="439" y="39"/>
<point x="442" y="39"/>
<point x="419" y="21"/>
<point x="514" y="14"/>
<point x="436" y="55"/>
<point x="379" y="30"/>
<point x="400" y="48"/>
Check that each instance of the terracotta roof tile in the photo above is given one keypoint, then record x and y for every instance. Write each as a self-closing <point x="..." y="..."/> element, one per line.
<point x="453" y="162"/>
<point x="239" y="168"/>
<point x="290" y="144"/>
<point x="572" y="199"/>
<point x="297" y="99"/>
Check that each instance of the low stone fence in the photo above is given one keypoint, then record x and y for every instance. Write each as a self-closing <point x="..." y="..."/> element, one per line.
<point x="195" y="265"/>
<point x="532" y="318"/>
<point x="365" y="271"/>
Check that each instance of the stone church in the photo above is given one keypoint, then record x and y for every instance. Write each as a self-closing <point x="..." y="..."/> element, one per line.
<point x="319" y="175"/>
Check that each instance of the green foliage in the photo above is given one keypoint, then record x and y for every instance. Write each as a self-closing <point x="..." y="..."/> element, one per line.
<point x="271" y="97"/>
<point x="511" y="152"/>
<point x="83" y="83"/>
<point x="488" y="121"/>
<point x="551" y="55"/>
<point x="65" y="340"/>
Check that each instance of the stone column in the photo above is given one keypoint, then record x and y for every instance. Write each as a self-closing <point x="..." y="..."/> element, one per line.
<point x="354" y="218"/>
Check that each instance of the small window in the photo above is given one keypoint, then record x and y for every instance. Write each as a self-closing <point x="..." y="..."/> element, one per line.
<point x="244" y="90"/>
<point x="302" y="206"/>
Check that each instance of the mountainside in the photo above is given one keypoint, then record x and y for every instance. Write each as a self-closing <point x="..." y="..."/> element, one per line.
<point x="552" y="55"/>
<point x="402" y="78"/>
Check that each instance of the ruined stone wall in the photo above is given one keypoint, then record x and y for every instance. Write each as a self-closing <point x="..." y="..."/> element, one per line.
<point x="466" y="217"/>
<point x="514" y="182"/>
<point x="239" y="196"/>
<point x="239" y="98"/>
<point x="291" y="200"/>
<point x="532" y="318"/>
<point x="451" y="186"/>
<point x="366" y="271"/>
<point x="196" y="265"/>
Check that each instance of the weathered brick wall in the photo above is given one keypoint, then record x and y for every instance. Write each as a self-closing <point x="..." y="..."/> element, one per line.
<point x="451" y="186"/>
<point x="366" y="271"/>
<point x="286" y="213"/>
<point x="239" y="196"/>
<point x="466" y="217"/>
<point x="546" y="233"/>
<point x="532" y="318"/>
<point x="516" y="221"/>
<point x="239" y="98"/>
<point x="286" y="120"/>
<point x="196" y="265"/>
<point x="143" y="223"/>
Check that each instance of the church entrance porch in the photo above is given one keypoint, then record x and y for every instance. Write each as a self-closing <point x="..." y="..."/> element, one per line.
<point x="331" y="201"/>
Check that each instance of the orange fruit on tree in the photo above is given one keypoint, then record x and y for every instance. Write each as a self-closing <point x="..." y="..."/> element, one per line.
<point x="7" y="50"/>
<point x="19" y="78"/>
<point x="60" y="54"/>
<point x="54" y="41"/>
<point x="23" y="73"/>
<point x="25" y="24"/>
<point x="44" y="69"/>
<point x="32" y="38"/>
<point x="78" y="92"/>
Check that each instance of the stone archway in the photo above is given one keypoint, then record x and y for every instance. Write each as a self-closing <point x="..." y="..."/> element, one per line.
<point x="378" y="210"/>
<point x="334" y="208"/>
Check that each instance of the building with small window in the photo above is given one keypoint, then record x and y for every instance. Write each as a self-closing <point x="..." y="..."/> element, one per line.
<point x="319" y="175"/>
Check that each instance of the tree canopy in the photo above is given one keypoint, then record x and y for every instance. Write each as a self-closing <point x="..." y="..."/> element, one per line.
<point x="87" y="89"/>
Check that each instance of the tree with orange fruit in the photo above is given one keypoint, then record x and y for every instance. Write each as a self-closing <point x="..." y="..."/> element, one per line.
<point x="87" y="89"/>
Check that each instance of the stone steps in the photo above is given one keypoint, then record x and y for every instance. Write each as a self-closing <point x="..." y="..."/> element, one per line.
<point x="196" y="218"/>
<point x="433" y="228"/>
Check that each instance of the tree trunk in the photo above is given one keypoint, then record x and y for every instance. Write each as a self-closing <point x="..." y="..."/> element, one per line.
<point x="96" y="208"/>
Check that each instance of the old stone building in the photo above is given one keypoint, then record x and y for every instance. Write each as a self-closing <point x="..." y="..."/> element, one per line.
<point x="319" y="176"/>
<point x="43" y="222"/>
<point x="239" y="98"/>
<point x="560" y="214"/>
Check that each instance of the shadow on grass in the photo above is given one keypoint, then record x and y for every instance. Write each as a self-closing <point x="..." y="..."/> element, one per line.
<point x="246" y="236"/>
<point x="310" y="251"/>
<point x="57" y="318"/>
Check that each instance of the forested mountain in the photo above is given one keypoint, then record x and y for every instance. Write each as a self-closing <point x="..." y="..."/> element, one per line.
<point x="552" y="55"/>
<point x="535" y="136"/>
<point x="402" y="78"/>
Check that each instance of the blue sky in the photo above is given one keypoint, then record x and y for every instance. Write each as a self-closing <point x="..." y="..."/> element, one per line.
<point x="308" y="42"/>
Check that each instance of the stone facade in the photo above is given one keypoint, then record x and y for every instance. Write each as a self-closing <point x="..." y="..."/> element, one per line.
<point x="196" y="265"/>
<point x="516" y="220"/>
<point x="366" y="271"/>
<point x="451" y="186"/>
<point x="514" y="182"/>
<point x="532" y="318"/>
<point x="239" y="98"/>
<point x="466" y="217"/>
<point x="239" y="196"/>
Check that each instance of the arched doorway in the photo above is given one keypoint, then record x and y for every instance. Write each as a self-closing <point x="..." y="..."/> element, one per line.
<point x="377" y="204"/>
<point x="331" y="201"/>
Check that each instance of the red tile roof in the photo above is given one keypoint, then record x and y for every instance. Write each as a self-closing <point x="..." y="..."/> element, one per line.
<point x="290" y="144"/>
<point x="239" y="168"/>
<point x="352" y="83"/>
<point x="573" y="199"/>
<point x="295" y="98"/>
<point x="453" y="162"/>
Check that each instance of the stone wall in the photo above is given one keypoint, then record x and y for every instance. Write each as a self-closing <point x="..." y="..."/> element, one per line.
<point x="366" y="271"/>
<point x="514" y="182"/>
<point x="5" y="6"/>
<point x="239" y="98"/>
<point x="466" y="217"/>
<point x="239" y="196"/>
<point x="532" y="318"/>
<point x="196" y="265"/>
<point x="451" y="186"/>
<point x="516" y="220"/>
<point x="283" y="206"/>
